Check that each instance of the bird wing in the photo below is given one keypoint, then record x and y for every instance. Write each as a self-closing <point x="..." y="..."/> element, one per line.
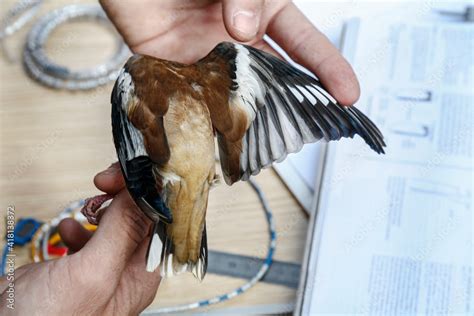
<point x="263" y="109"/>
<point x="140" y="141"/>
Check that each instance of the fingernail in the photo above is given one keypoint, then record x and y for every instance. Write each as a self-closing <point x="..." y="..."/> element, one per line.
<point x="246" y="23"/>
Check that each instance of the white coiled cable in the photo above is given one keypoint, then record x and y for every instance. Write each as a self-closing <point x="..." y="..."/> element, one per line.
<point x="45" y="71"/>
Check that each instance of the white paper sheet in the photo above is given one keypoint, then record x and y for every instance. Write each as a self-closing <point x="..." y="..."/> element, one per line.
<point x="396" y="230"/>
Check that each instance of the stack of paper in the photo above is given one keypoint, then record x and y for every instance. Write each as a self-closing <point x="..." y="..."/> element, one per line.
<point x="393" y="233"/>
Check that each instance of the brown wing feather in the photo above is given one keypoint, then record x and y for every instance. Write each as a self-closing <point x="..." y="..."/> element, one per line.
<point x="152" y="91"/>
<point x="229" y="120"/>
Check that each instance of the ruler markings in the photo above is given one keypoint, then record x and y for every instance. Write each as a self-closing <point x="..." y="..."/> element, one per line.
<point x="245" y="267"/>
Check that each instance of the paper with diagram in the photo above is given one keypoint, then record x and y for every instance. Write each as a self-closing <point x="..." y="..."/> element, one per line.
<point x="394" y="232"/>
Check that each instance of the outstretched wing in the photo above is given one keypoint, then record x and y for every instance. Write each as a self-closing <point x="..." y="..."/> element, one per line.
<point x="271" y="109"/>
<point x="140" y="142"/>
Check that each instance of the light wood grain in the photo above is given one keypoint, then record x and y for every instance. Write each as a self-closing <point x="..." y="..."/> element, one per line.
<point x="53" y="142"/>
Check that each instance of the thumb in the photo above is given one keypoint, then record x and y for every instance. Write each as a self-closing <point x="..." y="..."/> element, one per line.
<point x="110" y="180"/>
<point x="242" y="18"/>
<point x="122" y="228"/>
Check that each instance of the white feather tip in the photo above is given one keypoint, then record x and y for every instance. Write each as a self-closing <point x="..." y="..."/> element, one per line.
<point x="154" y="253"/>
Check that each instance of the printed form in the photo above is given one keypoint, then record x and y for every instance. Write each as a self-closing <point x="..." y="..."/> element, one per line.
<point x="394" y="233"/>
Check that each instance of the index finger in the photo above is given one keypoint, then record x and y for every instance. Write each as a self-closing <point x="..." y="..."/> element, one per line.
<point x="309" y="47"/>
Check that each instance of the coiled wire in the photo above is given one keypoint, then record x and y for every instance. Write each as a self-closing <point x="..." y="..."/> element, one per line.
<point x="20" y="14"/>
<point x="45" y="71"/>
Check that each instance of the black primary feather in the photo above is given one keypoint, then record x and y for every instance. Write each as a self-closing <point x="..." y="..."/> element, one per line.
<point x="291" y="109"/>
<point x="137" y="168"/>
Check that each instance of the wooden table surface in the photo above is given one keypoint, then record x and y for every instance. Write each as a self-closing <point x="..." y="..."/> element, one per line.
<point x="53" y="142"/>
